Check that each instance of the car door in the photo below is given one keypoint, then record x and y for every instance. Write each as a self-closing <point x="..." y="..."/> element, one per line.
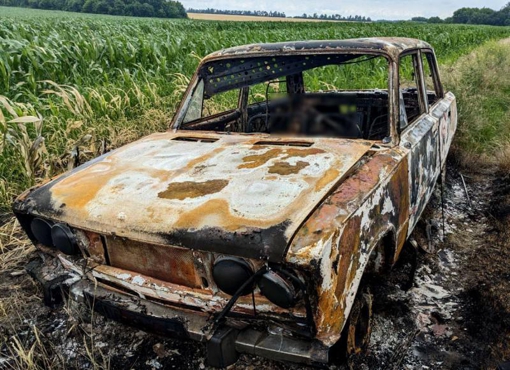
<point x="441" y="106"/>
<point x="419" y="132"/>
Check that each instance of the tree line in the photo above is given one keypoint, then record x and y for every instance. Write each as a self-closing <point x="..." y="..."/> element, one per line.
<point x="474" y="16"/>
<point x="335" y="17"/>
<point x="135" y="8"/>
<point x="263" y="13"/>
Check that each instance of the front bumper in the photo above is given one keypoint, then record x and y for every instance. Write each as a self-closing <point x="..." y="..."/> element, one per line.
<point x="223" y="344"/>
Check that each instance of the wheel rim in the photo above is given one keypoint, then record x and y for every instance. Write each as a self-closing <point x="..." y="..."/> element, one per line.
<point x="358" y="336"/>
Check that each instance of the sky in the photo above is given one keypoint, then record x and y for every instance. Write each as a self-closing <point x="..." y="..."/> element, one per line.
<point x="375" y="9"/>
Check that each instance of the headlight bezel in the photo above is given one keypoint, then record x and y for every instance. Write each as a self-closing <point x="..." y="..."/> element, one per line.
<point x="225" y="267"/>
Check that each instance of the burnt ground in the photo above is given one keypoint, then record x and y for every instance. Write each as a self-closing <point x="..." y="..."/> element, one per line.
<point x="453" y="312"/>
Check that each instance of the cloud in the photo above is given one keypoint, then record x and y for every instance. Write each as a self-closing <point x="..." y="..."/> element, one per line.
<point x="376" y="9"/>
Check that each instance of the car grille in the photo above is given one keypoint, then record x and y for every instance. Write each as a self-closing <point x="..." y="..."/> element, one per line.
<point x="172" y="264"/>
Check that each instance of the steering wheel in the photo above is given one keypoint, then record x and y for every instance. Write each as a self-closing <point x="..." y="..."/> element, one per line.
<point x="273" y="119"/>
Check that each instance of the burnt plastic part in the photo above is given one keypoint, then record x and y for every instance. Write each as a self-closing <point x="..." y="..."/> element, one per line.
<point x="278" y="289"/>
<point x="54" y="290"/>
<point x="230" y="273"/>
<point x="157" y="325"/>
<point x="221" y="348"/>
<point x="41" y="230"/>
<point x="64" y="239"/>
<point x="150" y="316"/>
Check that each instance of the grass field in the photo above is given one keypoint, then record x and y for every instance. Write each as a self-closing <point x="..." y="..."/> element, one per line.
<point x="73" y="85"/>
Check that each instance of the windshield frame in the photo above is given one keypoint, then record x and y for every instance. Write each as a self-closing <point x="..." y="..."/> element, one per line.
<point x="178" y="119"/>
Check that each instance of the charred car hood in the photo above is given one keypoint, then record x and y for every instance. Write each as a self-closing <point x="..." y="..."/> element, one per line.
<point x="237" y="194"/>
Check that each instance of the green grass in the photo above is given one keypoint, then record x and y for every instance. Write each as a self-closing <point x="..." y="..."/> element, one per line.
<point x="481" y="82"/>
<point x="74" y="83"/>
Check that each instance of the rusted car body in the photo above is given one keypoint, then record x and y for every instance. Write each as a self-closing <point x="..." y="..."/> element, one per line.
<point x="233" y="228"/>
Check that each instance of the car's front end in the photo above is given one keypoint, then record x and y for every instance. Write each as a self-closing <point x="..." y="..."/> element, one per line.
<point x="248" y="229"/>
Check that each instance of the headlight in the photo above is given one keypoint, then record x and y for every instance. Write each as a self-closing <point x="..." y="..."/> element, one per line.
<point x="230" y="273"/>
<point x="64" y="239"/>
<point x="41" y="230"/>
<point x="278" y="289"/>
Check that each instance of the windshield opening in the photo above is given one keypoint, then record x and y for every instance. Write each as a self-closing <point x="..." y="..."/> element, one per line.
<point x="338" y="95"/>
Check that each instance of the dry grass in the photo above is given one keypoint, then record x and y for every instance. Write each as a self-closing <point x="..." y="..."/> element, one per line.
<point x="26" y="325"/>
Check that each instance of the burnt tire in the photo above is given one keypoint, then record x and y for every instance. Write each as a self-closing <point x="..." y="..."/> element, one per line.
<point x="359" y="326"/>
<point x="79" y="312"/>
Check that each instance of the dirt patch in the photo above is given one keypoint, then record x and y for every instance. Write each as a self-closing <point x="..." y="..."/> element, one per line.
<point x="455" y="314"/>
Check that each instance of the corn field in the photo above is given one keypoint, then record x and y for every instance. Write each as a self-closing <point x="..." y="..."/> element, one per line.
<point x="74" y="85"/>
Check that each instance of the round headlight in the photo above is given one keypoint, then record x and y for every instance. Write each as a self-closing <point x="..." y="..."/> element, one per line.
<point x="64" y="239"/>
<point x="41" y="230"/>
<point x="230" y="273"/>
<point x="278" y="289"/>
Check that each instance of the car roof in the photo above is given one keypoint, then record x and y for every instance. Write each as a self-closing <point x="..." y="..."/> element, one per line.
<point x="392" y="46"/>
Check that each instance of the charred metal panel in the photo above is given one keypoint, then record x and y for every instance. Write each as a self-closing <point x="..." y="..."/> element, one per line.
<point x="446" y="111"/>
<point x="205" y="300"/>
<point x="428" y="141"/>
<point x="390" y="45"/>
<point x="227" y="74"/>
<point x="423" y="164"/>
<point x="337" y="240"/>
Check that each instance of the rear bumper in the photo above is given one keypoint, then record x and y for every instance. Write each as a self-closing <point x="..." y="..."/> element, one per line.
<point x="166" y="320"/>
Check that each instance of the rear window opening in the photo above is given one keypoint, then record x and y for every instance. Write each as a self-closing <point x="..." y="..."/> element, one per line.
<point x="337" y="95"/>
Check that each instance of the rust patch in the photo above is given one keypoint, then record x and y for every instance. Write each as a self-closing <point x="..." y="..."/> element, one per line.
<point x="191" y="189"/>
<point x="295" y="152"/>
<point x="213" y="209"/>
<point x="256" y="160"/>
<point x="285" y="168"/>
<point x="171" y="264"/>
<point x="349" y="245"/>
<point x="95" y="247"/>
<point x="328" y="177"/>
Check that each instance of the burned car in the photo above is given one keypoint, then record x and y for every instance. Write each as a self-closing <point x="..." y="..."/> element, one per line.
<point x="290" y="171"/>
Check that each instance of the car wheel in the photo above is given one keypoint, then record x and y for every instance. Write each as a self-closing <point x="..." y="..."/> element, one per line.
<point x="359" y="326"/>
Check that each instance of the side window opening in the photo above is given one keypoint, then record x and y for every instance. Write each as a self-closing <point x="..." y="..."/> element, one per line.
<point x="431" y="84"/>
<point x="194" y="111"/>
<point x="409" y="94"/>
